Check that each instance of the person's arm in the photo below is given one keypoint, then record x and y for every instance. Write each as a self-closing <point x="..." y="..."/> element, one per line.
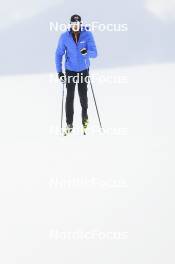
<point x="91" y="46"/>
<point x="60" y="51"/>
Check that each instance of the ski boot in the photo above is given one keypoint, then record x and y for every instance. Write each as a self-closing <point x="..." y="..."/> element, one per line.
<point x="68" y="129"/>
<point x="85" y="125"/>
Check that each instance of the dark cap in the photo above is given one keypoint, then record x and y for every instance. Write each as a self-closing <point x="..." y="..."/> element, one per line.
<point x="75" y="18"/>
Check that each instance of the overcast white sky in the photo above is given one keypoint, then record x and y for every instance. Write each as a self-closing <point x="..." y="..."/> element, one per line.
<point x="164" y="9"/>
<point x="12" y="11"/>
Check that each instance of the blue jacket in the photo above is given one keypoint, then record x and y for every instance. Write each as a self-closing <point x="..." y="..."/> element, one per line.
<point x="74" y="60"/>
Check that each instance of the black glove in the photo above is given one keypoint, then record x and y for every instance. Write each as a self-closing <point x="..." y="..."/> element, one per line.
<point x="62" y="77"/>
<point x="83" y="51"/>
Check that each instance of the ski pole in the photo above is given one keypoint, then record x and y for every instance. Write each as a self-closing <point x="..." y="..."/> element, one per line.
<point x="62" y="109"/>
<point x="94" y="99"/>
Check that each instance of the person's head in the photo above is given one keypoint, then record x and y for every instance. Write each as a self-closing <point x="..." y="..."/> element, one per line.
<point x="75" y="23"/>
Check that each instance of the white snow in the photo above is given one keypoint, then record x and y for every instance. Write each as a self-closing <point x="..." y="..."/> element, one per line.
<point x="54" y="187"/>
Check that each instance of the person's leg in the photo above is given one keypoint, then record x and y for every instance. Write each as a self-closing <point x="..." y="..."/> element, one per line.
<point x="70" y="85"/>
<point x="82" y="91"/>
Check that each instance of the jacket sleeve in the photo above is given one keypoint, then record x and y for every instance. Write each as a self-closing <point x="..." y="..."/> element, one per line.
<point x="91" y="46"/>
<point x="60" y="51"/>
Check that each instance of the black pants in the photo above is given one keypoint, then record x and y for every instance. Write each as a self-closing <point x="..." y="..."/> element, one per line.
<point x="81" y="78"/>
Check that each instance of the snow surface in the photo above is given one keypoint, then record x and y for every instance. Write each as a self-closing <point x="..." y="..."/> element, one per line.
<point x="61" y="196"/>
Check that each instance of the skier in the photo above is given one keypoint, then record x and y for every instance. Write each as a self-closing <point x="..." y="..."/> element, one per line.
<point x="78" y="46"/>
